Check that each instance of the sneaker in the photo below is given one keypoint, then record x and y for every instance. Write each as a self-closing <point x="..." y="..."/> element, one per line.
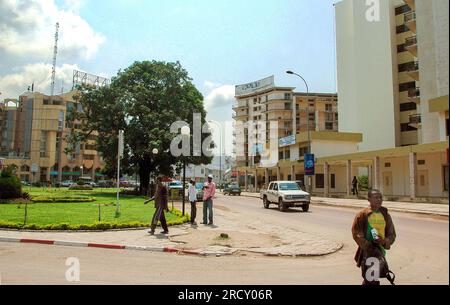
<point x="203" y="223"/>
<point x="193" y="223"/>
<point x="152" y="232"/>
<point x="164" y="232"/>
<point x="210" y="224"/>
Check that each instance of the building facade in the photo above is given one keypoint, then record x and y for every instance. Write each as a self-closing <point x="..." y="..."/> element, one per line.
<point x="33" y="132"/>
<point x="274" y="128"/>
<point x="393" y="87"/>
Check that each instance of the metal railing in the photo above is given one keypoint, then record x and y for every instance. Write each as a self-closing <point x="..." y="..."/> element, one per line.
<point x="414" y="92"/>
<point x="410" y="17"/>
<point x="415" y="119"/>
<point x="410" y="41"/>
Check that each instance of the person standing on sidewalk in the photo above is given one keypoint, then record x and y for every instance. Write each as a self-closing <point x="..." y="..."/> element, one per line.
<point x="209" y="191"/>
<point x="161" y="205"/>
<point x="193" y="200"/>
<point x="355" y="186"/>
<point x="374" y="232"/>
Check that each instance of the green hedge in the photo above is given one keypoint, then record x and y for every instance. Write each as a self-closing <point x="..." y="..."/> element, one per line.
<point x="62" y="199"/>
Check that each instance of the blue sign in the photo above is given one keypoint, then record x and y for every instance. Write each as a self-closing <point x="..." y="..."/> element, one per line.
<point x="309" y="165"/>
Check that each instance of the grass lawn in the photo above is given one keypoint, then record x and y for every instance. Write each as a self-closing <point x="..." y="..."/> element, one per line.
<point x="85" y="213"/>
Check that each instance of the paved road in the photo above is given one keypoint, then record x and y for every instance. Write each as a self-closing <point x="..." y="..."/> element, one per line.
<point x="420" y="255"/>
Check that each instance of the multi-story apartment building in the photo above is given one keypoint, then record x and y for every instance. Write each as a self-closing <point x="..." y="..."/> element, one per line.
<point x="285" y="123"/>
<point x="33" y="133"/>
<point x="392" y="69"/>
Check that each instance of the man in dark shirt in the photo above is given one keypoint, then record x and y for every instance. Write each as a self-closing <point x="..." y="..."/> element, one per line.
<point x="161" y="205"/>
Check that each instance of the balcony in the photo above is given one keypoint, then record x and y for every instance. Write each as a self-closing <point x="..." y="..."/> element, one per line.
<point x="411" y="45"/>
<point x="414" y="95"/>
<point x="415" y="120"/>
<point x="413" y="71"/>
<point x="410" y="21"/>
<point x="411" y="3"/>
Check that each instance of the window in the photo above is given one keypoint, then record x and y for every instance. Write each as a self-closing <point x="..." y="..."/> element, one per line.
<point x="328" y="126"/>
<point x="387" y="164"/>
<point x="401" y="48"/>
<point x="406" y="127"/>
<point x="446" y="178"/>
<point x="402" y="9"/>
<point x="402" y="29"/>
<point x="406" y="86"/>
<point x="408" y="106"/>
<point x="288" y="96"/>
<point x="333" y="181"/>
<point x="275" y="186"/>
<point x="288" y="154"/>
<point x="406" y="66"/>
<point x="43" y="144"/>
<point x="320" y="181"/>
<point x="328" y="107"/>
<point x="302" y="151"/>
<point x="421" y="162"/>
<point x="280" y="155"/>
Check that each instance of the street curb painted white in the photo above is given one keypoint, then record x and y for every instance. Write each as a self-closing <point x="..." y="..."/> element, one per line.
<point x="96" y="245"/>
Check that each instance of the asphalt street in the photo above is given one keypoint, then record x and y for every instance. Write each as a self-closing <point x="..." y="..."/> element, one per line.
<point x="419" y="256"/>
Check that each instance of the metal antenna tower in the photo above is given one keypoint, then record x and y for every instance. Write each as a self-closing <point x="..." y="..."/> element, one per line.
<point x="55" y="52"/>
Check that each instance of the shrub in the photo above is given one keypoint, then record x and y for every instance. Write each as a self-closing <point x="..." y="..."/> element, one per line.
<point x="10" y="187"/>
<point x="363" y="182"/>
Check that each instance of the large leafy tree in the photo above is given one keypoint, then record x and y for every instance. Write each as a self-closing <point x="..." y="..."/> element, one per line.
<point x="143" y="100"/>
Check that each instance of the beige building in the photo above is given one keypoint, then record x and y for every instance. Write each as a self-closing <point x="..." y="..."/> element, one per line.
<point x="32" y="133"/>
<point x="278" y="120"/>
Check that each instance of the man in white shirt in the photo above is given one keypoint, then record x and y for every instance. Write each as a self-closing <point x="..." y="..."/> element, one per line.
<point x="193" y="200"/>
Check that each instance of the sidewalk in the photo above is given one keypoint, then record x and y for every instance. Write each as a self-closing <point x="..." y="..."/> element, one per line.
<point x="407" y="207"/>
<point x="246" y="237"/>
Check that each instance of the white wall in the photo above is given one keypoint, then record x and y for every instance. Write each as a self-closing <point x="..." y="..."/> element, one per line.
<point x="323" y="149"/>
<point x="433" y="46"/>
<point x="366" y="75"/>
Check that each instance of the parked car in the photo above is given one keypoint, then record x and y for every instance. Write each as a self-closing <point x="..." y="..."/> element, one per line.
<point x="232" y="189"/>
<point x="67" y="183"/>
<point x="25" y="183"/>
<point x="285" y="194"/>
<point x="106" y="183"/>
<point x="199" y="188"/>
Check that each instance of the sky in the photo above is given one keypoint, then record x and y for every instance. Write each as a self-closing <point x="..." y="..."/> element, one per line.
<point x="221" y="43"/>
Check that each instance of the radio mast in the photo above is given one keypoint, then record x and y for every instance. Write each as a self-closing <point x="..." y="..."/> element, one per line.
<point x="55" y="52"/>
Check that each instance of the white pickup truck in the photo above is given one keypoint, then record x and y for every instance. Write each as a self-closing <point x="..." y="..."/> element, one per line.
<point x="286" y="194"/>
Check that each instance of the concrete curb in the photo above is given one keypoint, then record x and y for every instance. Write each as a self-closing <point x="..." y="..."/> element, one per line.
<point x="358" y="207"/>
<point x="97" y="245"/>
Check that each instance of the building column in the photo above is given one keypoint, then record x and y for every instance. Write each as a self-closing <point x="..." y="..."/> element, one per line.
<point x="326" y="169"/>
<point x="369" y="174"/>
<point x="292" y="172"/>
<point x="266" y="174"/>
<point x="278" y="174"/>
<point x="412" y="175"/>
<point x="246" y="181"/>
<point x="377" y="174"/>
<point x="349" y="177"/>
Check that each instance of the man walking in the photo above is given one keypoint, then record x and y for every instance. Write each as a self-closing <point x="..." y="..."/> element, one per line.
<point x="355" y="186"/>
<point x="373" y="232"/>
<point x="161" y="205"/>
<point x="209" y="191"/>
<point x="193" y="200"/>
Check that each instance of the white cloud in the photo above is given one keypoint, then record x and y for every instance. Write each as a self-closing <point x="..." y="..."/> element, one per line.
<point x="16" y="83"/>
<point x="220" y="97"/>
<point x="28" y="27"/>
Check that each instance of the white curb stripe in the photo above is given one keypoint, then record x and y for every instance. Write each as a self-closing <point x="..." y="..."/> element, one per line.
<point x="10" y="239"/>
<point x="70" y="243"/>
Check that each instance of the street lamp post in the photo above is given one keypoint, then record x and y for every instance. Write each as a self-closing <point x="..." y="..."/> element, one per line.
<point x="185" y="132"/>
<point x="307" y="120"/>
